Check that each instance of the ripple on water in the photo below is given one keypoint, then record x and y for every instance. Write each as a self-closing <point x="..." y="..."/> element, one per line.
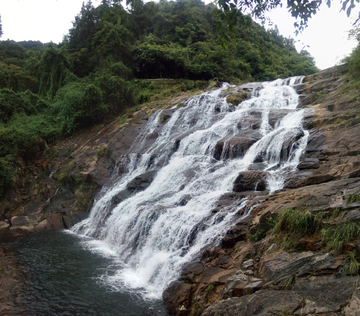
<point x="60" y="277"/>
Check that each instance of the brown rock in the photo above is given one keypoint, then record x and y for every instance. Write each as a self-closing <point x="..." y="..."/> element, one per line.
<point x="177" y="298"/>
<point x="250" y="181"/>
<point x="4" y="225"/>
<point x="262" y="303"/>
<point x="236" y="146"/>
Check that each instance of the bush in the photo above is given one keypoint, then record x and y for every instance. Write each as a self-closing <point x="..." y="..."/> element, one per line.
<point x="6" y="174"/>
<point x="78" y="105"/>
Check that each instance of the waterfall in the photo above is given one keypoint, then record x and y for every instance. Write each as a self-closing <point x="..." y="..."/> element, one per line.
<point x="151" y="231"/>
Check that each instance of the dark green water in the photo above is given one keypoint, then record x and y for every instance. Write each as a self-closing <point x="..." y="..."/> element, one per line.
<point x="60" y="277"/>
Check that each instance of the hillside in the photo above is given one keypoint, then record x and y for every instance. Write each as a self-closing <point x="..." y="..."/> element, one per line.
<point x="299" y="244"/>
<point x="78" y="117"/>
<point x="48" y="91"/>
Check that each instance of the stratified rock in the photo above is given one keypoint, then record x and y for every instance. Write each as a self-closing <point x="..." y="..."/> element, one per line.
<point x="249" y="264"/>
<point x="252" y="180"/>
<point x="297" y="182"/>
<point x="271" y="265"/>
<point x="262" y="303"/>
<point x="325" y="294"/>
<point x="309" y="163"/>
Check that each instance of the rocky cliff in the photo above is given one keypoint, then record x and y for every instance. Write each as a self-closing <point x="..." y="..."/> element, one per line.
<point x="294" y="255"/>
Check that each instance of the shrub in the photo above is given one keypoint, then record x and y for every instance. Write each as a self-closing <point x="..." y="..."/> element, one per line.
<point x="6" y="174"/>
<point x="78" y="105"/>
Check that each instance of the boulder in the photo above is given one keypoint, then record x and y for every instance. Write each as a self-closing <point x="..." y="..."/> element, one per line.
<point x="236" y="146"/>
<point x="4" y="225"/>
<point x="309" y="163"/>
<point x="252" y="180"/>
<point x="141" y="182"/>
<point x="250" y="121"/>
<point x="177" y="297"/>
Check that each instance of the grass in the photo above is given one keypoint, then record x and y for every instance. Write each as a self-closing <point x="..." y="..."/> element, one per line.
<point x="294" y="225"/>
<point x="352" y="266"/>
<point x="338" y="236"/>
<point x="210" y="288"/>
<point x="352" y="198"/>
<point x="289" y="282"/>
<point x="258" y="235"/>
<point x="237" y="98"/>
<point x="61" y="177"/>
<point x="84" y="196"/>
<point x="102" y="151"/>
<point x="294" y="221"/>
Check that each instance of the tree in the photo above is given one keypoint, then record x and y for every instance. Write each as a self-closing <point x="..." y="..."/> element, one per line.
<point x="302" y="10"/>
<point x="1" y="32"/>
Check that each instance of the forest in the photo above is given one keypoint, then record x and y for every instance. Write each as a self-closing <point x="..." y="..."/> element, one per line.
<point x="50" y="91"/>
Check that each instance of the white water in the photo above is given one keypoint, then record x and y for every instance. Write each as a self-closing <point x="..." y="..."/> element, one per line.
<point x="152" y="233"/>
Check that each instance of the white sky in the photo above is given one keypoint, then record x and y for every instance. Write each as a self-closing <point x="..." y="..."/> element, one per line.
<point x="50" y="20"/>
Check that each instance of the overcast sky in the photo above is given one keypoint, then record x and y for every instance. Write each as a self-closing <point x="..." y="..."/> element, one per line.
<point x="50" y="20"/>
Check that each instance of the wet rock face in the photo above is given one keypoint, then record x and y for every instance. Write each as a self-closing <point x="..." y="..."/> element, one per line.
<point x="252" y="180"/>
<point x="141" y="182"/>
<point x="236" y="146"/>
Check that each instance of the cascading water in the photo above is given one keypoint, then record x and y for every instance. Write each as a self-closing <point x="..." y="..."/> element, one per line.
<point x="152" y="233"/>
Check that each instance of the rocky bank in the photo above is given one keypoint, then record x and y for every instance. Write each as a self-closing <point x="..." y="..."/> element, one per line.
<point x="256" y="269"/>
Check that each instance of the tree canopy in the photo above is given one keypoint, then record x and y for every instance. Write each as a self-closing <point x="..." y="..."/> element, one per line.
<point x="302" y="10"/>
<point x="49" y="91"/>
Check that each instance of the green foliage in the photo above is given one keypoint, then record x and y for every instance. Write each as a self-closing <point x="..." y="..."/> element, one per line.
<point x="289" y="282"/>
<point x="61" y="177"/>
<point x="78" y="105"/>
<point x="349" y="199"/>
<point x="49" y="91"/>
<point x="336" y="237"/>
<point x="6" y="174"/>
<point x="237" y="98"/>
<point x="294" y="224"/>
<point x="102" y="151"/>
<point x="301" y="10"/>
<point x="352" y="265"/>
<point x="54" y="71"/>
<point x="210" y="288"/>
<point x="258" y="235"/>
<point x="84" y="195"/>
<point x="294" y="221"/>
